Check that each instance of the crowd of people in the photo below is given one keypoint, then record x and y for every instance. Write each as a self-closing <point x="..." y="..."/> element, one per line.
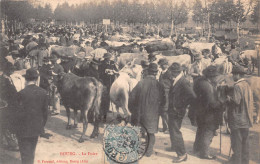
<point x="163" y="91"/>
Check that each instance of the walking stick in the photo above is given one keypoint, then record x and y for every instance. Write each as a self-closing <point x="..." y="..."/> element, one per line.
<point x="220" y="139"/>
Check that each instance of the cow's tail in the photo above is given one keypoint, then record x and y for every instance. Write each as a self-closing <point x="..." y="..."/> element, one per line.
<point x="97" y="99"/>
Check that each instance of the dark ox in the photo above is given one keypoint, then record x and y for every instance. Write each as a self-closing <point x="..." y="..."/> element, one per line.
<point x="75" y="65"/>
<point x="84" y="94"/>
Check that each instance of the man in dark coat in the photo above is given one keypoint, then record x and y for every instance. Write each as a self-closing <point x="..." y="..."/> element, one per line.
<point x="166" y="80"/>
<point x="56" y="69"/>
<point x="181" y="95"/>
<point x="144" y="64"/>
<point x="31" y="116"/>
<point x="93" y="69"/>
<point x="148" y="96"/>
<point x="45" y="74"/>
<point x="107" y="74"/>
<point x="8" y="94"/>
<point x="208" y="108"/>
<point x="107" y="71"/>
<point x="240" y="116"/>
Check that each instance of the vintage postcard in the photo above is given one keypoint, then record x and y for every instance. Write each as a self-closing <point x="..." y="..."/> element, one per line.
<point x="129" y="81"/>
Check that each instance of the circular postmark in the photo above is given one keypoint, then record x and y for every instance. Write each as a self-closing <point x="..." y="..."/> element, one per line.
<point x="124" y="144"/>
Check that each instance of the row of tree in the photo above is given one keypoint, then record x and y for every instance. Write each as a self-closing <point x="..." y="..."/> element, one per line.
<point x="215" y="12"/>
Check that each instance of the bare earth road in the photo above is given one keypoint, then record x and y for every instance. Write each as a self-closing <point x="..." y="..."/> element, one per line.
<point x="63" y="146"/>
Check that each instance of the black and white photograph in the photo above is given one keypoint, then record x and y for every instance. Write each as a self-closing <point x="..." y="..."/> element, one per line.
<point x="129" y="81"/>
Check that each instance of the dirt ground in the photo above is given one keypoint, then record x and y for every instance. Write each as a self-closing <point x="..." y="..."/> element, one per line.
<point x="63" y="146"/>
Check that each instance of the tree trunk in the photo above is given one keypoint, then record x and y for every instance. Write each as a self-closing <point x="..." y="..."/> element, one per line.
<point x="171" y="29"/>
<point x="158" y="30"/>
<point x="209" y="27"/>
<point x="175" y="29"/>
<point x="238" y="26"/>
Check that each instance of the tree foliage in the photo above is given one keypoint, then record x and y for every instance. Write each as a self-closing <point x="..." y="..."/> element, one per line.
<point x="255" y="14"/>
<point x="198" y="12"/>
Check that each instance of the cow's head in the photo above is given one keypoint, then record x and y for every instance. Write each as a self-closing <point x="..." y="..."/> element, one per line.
<point x="60" y="78"/>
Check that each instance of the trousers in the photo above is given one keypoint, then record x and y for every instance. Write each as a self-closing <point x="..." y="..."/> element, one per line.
<point x="164" y="116"/>
<point x="240" y="145"/>
<point x="177" y="142"/>
<point x="204" y="136"/>
<point x="151" y="143"/>
<point x="27" y="146"/>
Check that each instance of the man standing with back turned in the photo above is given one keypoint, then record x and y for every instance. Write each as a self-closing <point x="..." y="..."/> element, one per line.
<point x="148" y="96"/>
<point x="31" y="116"/>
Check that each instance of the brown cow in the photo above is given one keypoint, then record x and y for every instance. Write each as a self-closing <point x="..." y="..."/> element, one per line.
<point x="84" y="94"/>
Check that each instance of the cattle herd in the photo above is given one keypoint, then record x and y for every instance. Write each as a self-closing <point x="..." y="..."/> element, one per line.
<point x="77" y="47"/>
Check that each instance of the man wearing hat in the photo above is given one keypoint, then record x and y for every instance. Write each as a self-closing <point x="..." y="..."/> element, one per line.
<point x="93" y="69"/>
<point x="12" y="45"/>
<point x="87" y="49"/>
<point x="31" y="116"/>
<point x="56" y="69"/>
<point x="181" y="95"/>
<point x="240" y="116"/>
<point x="8" y="93"/>
<point x="99" y="52"/>
<point x="166" y="81"/>
<point x="45" y="74"/>
<point x="208" y="110"/>
<point x="43" y="52"/>
<point x="152" y="57"/>
<point x="32" y="44"/>
<point x="144" y="64"/>
<point x="42" y="39"/>
<point x="146" y="99"/>
<point x="136" y="48"/>
<point x="234" y="56"/>
<point x="63" y="39"/>
<point x="197" y="67"/>
<point x="107" y="74"/>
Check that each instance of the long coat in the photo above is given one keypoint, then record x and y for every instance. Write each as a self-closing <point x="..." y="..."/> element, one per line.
<point x="147" y="97"/>
<point x="208" y="108"/>
<point x="32" y="111"/>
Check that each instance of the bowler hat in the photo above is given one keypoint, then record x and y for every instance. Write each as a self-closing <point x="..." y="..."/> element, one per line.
<point x="15" y="52"/>
<point x="210" y="71"/>
<point x="31" y="74"/>
<point x="152" y="55"/>
<point x="54" y="58"/>
<point x="205" y="51"/>
<point x="238" y="70"/>
<point x="107" y="55"/>
<point x="175" y="67"/>
<point x="103" y="44"/>
<point x="153" y="67"/>
<point x="95" y="61"/>
<point x="144" y="63"/>
<point x="11" y="41"/>
<point x="163" y="61"/>
<point x="45" y="59"/>
<point x="198" y="56"/>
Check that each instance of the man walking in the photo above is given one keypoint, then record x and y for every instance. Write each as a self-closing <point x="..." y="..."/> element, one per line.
<point x="240" y="116"/>
<point x="181" y="95"/>
<point x="148" y="96"/>
<point x="31" y="116"/>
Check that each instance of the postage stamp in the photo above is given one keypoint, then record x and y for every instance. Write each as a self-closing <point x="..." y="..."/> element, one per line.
<point x="124" y="144"/>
